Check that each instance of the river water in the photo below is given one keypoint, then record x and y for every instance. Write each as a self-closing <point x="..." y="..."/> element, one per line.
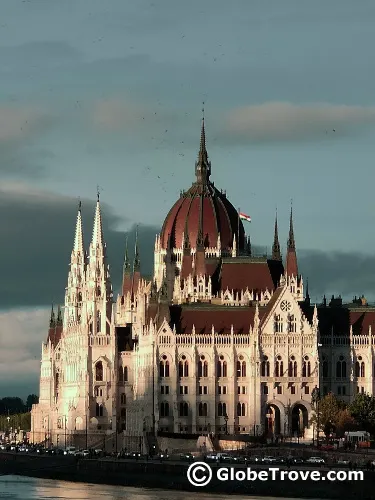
<point x="23" y="488"/>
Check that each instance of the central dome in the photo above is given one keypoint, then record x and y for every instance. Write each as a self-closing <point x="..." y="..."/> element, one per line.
<point x="203" y="213"/>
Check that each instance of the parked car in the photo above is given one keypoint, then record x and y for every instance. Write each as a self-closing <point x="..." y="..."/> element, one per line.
<point x="315" y="460"/>
<point x="186" y="457"/>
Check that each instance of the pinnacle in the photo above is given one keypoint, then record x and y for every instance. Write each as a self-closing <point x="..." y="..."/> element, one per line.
<point x="97" y="234"/>
<point x="78" y="238"/>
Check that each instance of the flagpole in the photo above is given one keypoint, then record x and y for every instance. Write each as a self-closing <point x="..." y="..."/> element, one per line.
<point x="238" y="233"/>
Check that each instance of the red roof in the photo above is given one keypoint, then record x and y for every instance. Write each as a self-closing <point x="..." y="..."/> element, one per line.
<point x="204" y="316"/>
<point x="256" y="274"/>
<point x="361" y="321"/>
<point x="219" y="216"/>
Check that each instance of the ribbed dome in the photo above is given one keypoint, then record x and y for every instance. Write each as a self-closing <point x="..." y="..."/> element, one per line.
<point x="203" y="212"/>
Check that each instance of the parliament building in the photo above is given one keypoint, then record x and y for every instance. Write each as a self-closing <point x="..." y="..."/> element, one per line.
<point x="220" y="341"/>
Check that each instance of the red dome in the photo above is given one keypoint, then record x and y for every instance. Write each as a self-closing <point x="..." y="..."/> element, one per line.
<point x="202" y="206"/>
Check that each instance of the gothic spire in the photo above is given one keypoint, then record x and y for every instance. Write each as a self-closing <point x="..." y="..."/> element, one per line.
<point x="276" y="253"/>
<point x="137" y="262"/>
<point x="291" y="256"/>
<point x="52" y="321"/>
<point x="291" y="241"/>
<point x="97" y="234"/>
<point x="78" y="238"/>
<point x="202" y="165"/>
<point x="126" y="266"/>
<point x="59" y="320"/>
<point x="186" y="237"/>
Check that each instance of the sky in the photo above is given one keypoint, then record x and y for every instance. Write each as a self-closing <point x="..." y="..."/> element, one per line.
<point x="110" y="94"/>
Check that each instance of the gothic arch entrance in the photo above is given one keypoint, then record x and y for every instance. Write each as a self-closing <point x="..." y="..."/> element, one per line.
<point x="300" y="420"/>
<point x="272" y="421"/>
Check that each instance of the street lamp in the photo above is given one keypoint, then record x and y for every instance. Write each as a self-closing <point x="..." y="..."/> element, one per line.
<point x="268" y="417"/>
<point x="226" y="418"/>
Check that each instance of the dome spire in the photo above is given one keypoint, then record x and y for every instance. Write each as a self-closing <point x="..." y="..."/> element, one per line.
<point x="203" y="166"/>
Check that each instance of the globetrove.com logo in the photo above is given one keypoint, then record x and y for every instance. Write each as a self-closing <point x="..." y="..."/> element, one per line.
<point x="200" y="474"/>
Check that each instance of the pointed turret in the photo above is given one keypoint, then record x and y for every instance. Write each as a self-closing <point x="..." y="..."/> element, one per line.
<point x="203" y="166"/>
<point x="137" y="262"/>
<point x="59" y="320"/>
<point x="52" y="321"/>
<point x="98" y="283"/>
<point x="126" y="273"/>
<point x="248" y="246"/>
<point x="187" y="258"/>
<point x="136" y="266"/>
<point x="78" y="238"/>
<point x="97" y="234"/>
<point x="307" y="297"/>
<point x="276" y="253"/>
<point x="76" y="277"/>
<point x="291" y="256"/>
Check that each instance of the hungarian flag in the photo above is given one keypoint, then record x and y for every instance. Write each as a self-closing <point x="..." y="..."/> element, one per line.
<point x="245" y="217"/>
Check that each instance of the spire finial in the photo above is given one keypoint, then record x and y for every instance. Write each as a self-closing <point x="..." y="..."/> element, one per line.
<point x="126" y="256"/>
<point x="97" y="192"/>
<point x="79" y="204"/>
<point x="52" y="321"/>
<point x="276" y="252"/>
<point x="136" y="263"/>
<point x="203" y="166"/>
<point x="291" y="241"/>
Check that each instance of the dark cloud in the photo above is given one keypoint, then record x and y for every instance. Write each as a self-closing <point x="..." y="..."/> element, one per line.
<point x="39" y="230"/>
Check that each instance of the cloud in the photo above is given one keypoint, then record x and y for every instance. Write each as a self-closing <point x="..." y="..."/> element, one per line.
<point x="39" y="230"/>
<point x="284" y="121"/>
<point x="19" y="127"/>
<point x="21" y="335"/>
<point x="112" y="114"/>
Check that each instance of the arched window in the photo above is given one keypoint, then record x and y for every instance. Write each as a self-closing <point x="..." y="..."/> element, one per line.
<point x="183" y="367"/>
<point x="164" y="409"/>
<point x="306" y="367"/>
<point x="241" y="367"/>
<point x="241" y="410"/>
<point x="120" y="374"/>
<point x="183" y="409"/>
<point x="99" y="371"/>
<point x="125" y="373"/>
<point x="359" y="367"/>
<point x="99" y="410"/>
<point x="265" y="367"/>
<point x="123" y="399"/>
<point x="164" y="367"/>
<point x="341" y="367"/>
<point x="292" y="368"/>
<point x="123" y="413"/>
<point x="202" y="410"/>
<point x="202" y="367"/>
<point x="292" y="324"/>
<point x="221" y="410"/>
<point x="278" y="324"/>
<point x="221" y="368"/>
<point x="279" y="367"/>
<point x="325" y="367"/>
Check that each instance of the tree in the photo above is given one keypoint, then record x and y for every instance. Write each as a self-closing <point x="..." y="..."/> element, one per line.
<point x="345" y="422"/>
<point x="12" y="405"/>
<point x="362" y="409"/>
<point x="32" y="399"/>
<point x="330" y="414"/>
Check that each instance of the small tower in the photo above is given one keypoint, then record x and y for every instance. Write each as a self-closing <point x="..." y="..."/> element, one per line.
<point x="126" y="272"/>
<point x="291" y="268"/>
<point x="98" y="283"/>
<point x="276" y="253"/>
<point x="75" y="289"/>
